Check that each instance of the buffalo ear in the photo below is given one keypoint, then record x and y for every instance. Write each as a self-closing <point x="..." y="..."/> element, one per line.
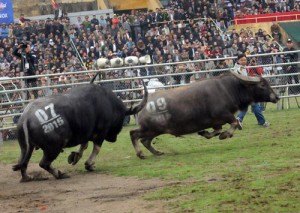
<point x="247" y="79"/>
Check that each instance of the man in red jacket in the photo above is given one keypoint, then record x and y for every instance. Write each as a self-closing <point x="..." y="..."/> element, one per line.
<point x="254" y="71"/>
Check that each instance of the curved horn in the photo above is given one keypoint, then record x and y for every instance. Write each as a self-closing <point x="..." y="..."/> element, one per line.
<point x="136" y="109"/>
<point x="247" y="79"/>
<point x="93" y="79"/>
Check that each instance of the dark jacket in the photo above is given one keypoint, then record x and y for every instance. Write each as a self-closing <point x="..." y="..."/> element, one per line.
<point x="26" y="58"/>
<point x="290" y="57"/>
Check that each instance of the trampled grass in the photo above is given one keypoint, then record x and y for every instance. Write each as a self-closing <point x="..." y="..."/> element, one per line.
<point x="258" y="170"/>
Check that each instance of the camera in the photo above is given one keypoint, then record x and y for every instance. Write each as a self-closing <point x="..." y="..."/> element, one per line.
<point x="23" y="45"/>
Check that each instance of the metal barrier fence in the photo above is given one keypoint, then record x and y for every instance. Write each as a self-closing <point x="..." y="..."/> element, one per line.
<point x="126" y="82"/>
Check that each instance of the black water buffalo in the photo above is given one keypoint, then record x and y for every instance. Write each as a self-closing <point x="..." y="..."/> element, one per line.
<point x="205" y="104"/>
<point x="85" y="113"/>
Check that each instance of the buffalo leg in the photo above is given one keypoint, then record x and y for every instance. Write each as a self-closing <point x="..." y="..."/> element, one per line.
<point x="74" y="157"/>
<point x="135" y="135"/>
<point x="147" y="143"/>
<point x="46" y="161"/>
<point x="89" y="164"/>
<point x="209" y="135"/>
<point x="229" y="133"/>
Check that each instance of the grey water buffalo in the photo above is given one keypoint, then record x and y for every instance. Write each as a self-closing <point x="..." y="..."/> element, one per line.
<point x="209" y="103"/>
<point x="85" y="113"/>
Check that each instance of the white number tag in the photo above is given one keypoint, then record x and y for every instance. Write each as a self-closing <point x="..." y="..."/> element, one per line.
<point x="157" y="106"/>
<point x="50" y="120"/>
<point x="26" y="65"/>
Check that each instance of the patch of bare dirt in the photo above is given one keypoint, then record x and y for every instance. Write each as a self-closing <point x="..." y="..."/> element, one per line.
<point x="88" y="192"/>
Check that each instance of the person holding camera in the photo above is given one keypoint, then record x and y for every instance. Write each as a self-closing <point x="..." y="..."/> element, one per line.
<point x="27" y="65"/>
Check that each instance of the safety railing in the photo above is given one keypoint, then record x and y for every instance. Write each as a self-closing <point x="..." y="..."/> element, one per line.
<point x="126" y="81"/>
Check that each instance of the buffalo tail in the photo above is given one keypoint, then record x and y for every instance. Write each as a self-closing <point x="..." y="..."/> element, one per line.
<point x="133" y="110"/>
<point x="24" y="145"/>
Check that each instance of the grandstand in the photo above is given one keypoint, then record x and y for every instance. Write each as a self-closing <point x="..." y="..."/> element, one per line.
<point x="41" y="7"/>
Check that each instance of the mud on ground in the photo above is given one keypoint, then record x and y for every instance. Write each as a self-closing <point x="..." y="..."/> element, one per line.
<point x="83" y="192"/>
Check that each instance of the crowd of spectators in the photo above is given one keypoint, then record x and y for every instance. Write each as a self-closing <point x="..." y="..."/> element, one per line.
<point x="184" y="30"/>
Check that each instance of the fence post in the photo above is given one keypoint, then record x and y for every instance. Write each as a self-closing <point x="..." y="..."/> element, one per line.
<point x="1" y="134"/>
<point x="1" y="138"/>
<point x="23" y="86"/>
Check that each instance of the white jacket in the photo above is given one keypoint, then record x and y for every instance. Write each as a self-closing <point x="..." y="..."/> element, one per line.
<point x="240" y="69"/>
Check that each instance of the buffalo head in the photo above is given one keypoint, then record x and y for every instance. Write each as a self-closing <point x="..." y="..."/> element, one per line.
<point x="262" y="91"/>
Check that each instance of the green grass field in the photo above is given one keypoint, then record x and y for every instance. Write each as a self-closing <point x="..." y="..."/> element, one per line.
<point x="258" y="170"/>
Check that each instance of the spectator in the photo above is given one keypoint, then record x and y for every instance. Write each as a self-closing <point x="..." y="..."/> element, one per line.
<point x="3" y="31"/>
<point x="126" y="27"/>
<point x="27" y="64"/>
<point x="291" y="68"/>
<point x="94" y="20"/>
<point x="221" y="64"/>
<point x="157" y="16"/>
<point x="241" y="68"/>
<point x="209" y="65"/>
<point x="78" y="22"/>
<point x="59" y="12"/>
<point x="102" y="22"/>
<point x="136" y="25"/>
<point x="180" y="68"/>
<point x="22" y="19"/>
<point x="87" y="24"/>
<point x="115" y="21"/>
<point x="275" y="30"/>
<point x="168" y="38"/>
<point x="108" y="20"/>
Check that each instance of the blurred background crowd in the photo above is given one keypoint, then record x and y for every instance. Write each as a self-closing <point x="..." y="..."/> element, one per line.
<point x="184" y="30"/>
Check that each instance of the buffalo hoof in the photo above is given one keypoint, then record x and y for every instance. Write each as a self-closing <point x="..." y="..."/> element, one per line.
<point x="36" y="178"/>
<point x="141" y="155"/>
<point x="225" y="135"/>
<point x="40" y="178"/>
<point x="90" y="167"/>
<point x="158" y="153"/>
<point x="26" y="179"/>
<point x="73" y="158"/>
<point x="202" y="132"/>
<point x="62" y="175"/>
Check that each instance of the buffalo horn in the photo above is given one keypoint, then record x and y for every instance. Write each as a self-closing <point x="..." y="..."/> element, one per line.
<point x="93" y="79"/>
<point x="247" y="79"/>
<point x="133" y="110"/>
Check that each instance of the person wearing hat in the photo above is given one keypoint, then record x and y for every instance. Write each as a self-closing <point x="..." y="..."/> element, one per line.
<point x="241" y="69"/>
<point x="291" y="68"/>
